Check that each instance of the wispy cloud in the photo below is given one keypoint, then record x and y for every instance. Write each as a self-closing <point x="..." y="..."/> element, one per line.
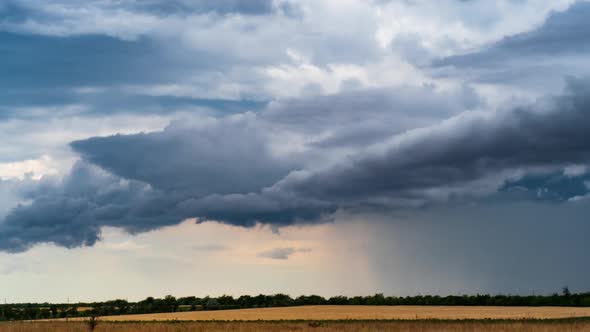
<point x="282" y="253"/>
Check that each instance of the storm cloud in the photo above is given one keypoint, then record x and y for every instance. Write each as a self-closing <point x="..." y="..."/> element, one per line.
<point x="225" y="157"/>
<point x="227" y="171"/>
<point x="549" y="133"/>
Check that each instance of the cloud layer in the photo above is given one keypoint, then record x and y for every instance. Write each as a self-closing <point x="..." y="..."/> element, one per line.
<point x="350" y="113"/>
<point x="227" y="171"/>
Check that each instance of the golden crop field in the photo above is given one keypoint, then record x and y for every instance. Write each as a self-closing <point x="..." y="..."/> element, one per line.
<point x="334" y="312"/>
<point x="350" y="326"/>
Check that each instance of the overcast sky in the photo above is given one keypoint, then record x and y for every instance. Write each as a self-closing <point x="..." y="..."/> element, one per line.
<point x="262" y="146"/>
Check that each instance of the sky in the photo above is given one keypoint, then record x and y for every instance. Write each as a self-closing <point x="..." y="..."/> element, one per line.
<point x="331" y="147"/>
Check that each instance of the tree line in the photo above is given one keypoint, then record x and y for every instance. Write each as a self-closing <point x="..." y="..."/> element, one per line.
<point x="28" y="311"/>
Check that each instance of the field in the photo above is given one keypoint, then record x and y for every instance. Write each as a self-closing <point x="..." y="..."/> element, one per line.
<point x="331" y="326"/>
<point x="335" y="318"/>
<point x="333" y="312"/>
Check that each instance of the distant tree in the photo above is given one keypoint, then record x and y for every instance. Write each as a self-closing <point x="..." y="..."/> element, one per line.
<point x="212" y="304"/>
<point x="377" y="299"/>
<point x="189" y="300"/>
<point x="260" y="301"/>
<point x="245" y="301"/>
<point x="170" y="303"/>
<point x="54" y="311"/>
<point x="226" y="302"/>
<point x="338" y="300"/>
<point x="281" y="300"/>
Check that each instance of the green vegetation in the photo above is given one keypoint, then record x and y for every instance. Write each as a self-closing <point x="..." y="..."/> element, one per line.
<point x="28" y="311"/>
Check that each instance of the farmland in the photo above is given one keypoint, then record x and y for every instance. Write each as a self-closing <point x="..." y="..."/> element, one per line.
<point x="335" y="312"/>
<point x="331" y="318"/>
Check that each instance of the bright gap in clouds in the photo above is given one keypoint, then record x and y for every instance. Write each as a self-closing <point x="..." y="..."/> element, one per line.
<point x="197" y="259"/>
<point x="32" y="168"/>
<point x="477" y="250"/>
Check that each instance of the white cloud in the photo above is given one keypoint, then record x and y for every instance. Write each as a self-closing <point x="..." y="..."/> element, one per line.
<point x="33" y="168"/>
<point x="450" y="26"/>
<point x="574" y="170"/>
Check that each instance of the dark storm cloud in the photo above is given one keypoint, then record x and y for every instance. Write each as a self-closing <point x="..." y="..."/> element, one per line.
<point x="215" y="171"/>
<point x="224" y="158"/>
<point x="67" y="212"/>
<point x="551" y="132"/>
<point x="71" y="212"/>
<point x="268" y="207"/>
<point x="226" y="171"/>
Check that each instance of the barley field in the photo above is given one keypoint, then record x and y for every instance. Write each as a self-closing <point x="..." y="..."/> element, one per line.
<point x="333" y="326"/>
<point x="334" y="312"/>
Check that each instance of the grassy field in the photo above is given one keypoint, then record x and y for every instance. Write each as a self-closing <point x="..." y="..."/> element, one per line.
<point x="365" y="313"/>
<point x="330" y="326"/>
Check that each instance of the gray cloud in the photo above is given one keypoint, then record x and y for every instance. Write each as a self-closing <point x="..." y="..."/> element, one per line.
<point x="113" y="80"/>
<point x="551" y="132"/>
<point x="70" y="212"/>
<point x="270" y="206"/>
<point x="350" y="107"/>
<point x="215" y="170"/>
<point x="282" y="253"/>
<point x="223" y="158"/>
<point x="533" y="59"/>
<point x="365" y="116"/>
<point x="562" y="33"/>
<point x="156" y="56"/>
<point x="226" y="171"/>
